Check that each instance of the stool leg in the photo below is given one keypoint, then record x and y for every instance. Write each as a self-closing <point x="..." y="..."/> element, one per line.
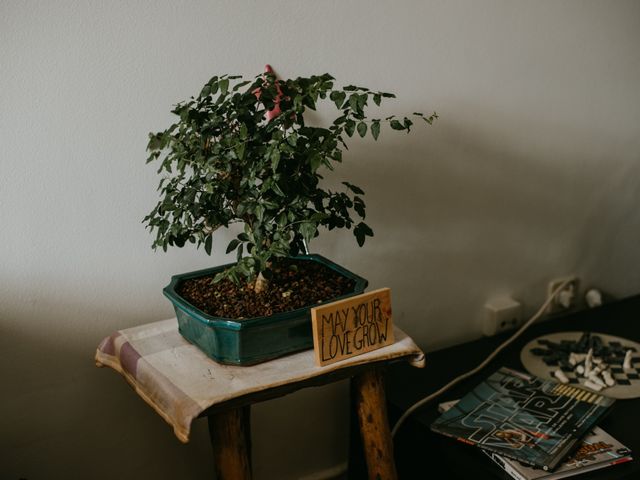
<point x="370" y="404"/>
<point x="230" y="437"/>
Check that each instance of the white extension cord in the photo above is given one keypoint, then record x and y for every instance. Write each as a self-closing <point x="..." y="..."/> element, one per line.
<point x="504" y="345"/>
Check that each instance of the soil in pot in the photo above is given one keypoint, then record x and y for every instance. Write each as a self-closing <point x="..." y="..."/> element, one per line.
<point x="295" y="284"/>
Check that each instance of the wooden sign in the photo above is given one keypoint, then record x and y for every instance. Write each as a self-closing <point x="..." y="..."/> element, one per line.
<point x="352" y="326"/>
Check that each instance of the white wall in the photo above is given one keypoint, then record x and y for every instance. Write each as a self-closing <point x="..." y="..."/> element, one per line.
<point x="531" y="172"/>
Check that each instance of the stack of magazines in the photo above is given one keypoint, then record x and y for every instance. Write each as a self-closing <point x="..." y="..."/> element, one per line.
<point x="533" y="428"/>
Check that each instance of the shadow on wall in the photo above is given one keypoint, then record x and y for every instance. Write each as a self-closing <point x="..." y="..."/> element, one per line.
<point x="65" y="418"/>
<point x="613" y="230"/>
<point x="301" y="424"/>
<point x="460" y="215"/>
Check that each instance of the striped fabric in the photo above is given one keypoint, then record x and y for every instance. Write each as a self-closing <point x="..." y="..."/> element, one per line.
<point x="180" y="382"/>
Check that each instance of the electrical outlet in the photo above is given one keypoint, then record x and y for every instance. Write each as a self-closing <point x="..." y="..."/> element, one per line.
<point x="565" y="299"/>
<point x="501" y="314"/>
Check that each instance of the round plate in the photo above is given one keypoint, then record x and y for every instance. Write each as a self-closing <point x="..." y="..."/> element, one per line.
<point x="627" y="381"/>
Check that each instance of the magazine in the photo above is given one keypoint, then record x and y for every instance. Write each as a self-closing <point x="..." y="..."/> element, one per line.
<point x="597" y="450"/>
<point x="535" y="421"/>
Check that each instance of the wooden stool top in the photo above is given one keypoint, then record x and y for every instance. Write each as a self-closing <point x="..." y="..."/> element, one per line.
<point x="181" y="383"/>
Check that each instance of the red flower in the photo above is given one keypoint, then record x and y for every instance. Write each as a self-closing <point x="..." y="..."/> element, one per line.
<point x="275" y="111"/>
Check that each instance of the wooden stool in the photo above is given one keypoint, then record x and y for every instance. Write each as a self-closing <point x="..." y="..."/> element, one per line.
<point x="230" y="429"/>
<point x="181" y="384"/>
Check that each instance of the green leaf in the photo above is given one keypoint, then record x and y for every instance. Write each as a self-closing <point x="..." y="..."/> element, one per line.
<point x="355" y="189"/>
<point x="260" y="213"/>
<point x="362" y="129"/>
<point x="241" y="269"/>
<point x="219" y="276"/>
<point x="232" y="245"/>
<point x="224" y="86"/>
<point x="207" y="244"/>
<point x="319" y="217"/>
<point x="361" y="231"/>
<point x="280" y="249"/>
<point x="338" y="98"/>
<point x="276" y="188"/>
<point x="362" y="101"/>
<point x="396" y="125"/>
<point x="238" y="86"/>
<point x="240" y="149"/>
<point x="377" y="98"/>
<point x="375" y="129"/>
<point x="353" y="102"/>
<point x="307" y="230"/>
<point x="214" y="85"/>
<point x="206" y="90"/>
<point x="308" y="102"/>
<point x="350" y="127"/>
<point x="359" y="206"/>
<point x="275" y="159"/>
<point x="340" y="120"/>
<point x="315" y="161"/>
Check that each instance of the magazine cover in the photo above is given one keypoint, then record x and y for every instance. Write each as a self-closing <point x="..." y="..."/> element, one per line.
<point x="597" y="450"/>
<point x="535" y="421"/>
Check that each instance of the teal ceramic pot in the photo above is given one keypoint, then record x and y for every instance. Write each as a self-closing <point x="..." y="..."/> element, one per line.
<point x="252" y="340"/>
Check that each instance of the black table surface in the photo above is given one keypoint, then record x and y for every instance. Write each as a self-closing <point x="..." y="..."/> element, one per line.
<point x="421" y="453"/>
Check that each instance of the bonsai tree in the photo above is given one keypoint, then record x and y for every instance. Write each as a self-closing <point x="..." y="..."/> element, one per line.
<point x="241" y="152"/>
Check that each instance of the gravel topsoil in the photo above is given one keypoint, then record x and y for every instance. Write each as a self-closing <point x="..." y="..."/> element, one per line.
<point x="295" y="284"/>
